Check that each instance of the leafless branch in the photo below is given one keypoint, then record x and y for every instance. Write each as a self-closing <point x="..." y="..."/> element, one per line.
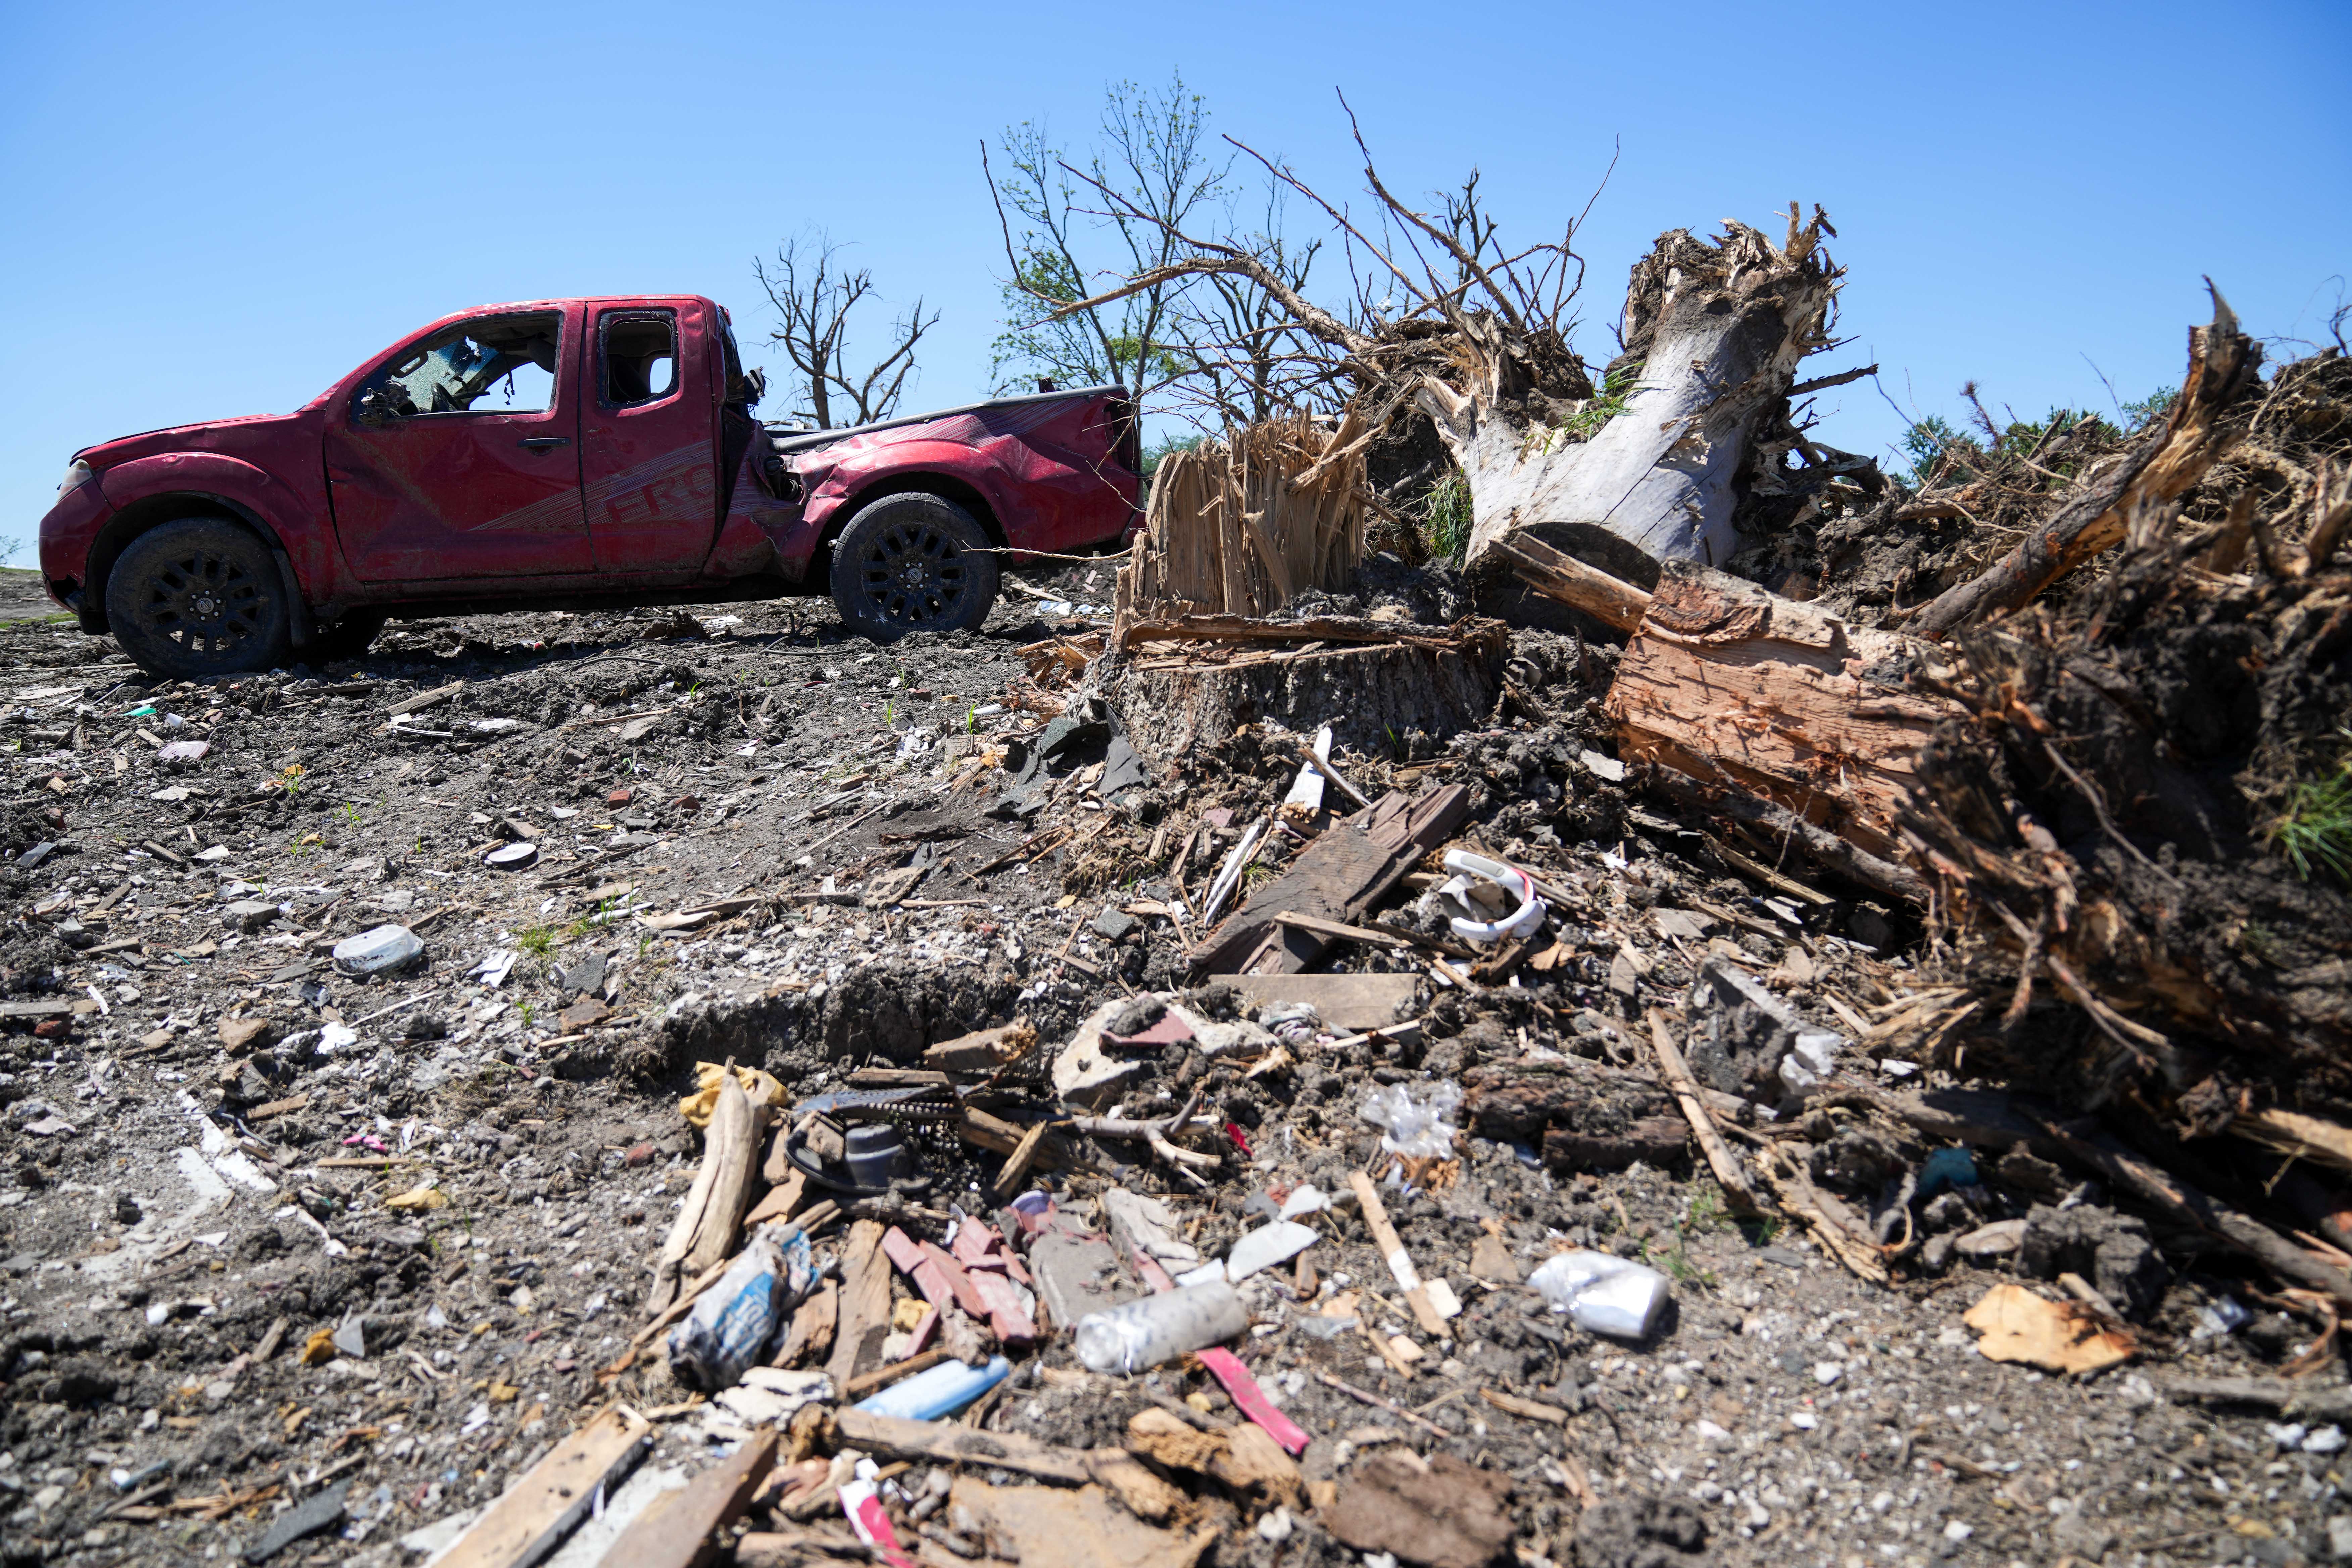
<point x="815" y="296"/>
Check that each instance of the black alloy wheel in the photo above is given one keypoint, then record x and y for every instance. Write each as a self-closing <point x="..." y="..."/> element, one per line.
<point x="913" y="563"/>
<point x="198" y="597"/>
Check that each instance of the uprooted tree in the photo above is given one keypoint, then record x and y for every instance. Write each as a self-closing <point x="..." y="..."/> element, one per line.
<point x="1649" y="466"/>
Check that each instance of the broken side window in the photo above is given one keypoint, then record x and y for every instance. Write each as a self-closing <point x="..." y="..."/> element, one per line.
<point x="494" y="364"/>
<point x="639" y="352"/>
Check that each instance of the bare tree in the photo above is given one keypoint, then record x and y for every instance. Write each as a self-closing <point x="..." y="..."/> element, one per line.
<point x="814" y="294"/>
<point x="1247" y="357"/>
<point x="1152" y="158"/>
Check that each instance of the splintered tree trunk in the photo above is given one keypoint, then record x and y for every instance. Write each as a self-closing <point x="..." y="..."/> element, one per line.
<point x="1739" y="689"/>
<point x="1718" y="330"/>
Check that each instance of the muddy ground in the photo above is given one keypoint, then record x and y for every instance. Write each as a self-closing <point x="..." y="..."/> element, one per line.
<point x="198" y="1162"/>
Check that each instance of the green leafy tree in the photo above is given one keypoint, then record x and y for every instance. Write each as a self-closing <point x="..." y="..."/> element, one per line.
<point x="1070" y="230"/>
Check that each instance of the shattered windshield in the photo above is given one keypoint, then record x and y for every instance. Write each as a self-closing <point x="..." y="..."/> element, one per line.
<point x="497" y="365"/>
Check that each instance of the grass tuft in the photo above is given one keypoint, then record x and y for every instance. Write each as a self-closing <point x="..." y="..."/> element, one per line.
<point x="1446" y="518"/>
<point x="2315" y="834"/>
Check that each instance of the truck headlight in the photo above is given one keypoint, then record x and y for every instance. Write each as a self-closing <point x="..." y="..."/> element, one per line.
<point x="77" y="475"/>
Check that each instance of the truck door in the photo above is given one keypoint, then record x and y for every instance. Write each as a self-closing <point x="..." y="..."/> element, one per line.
<point x="648" y="447"/>
<point x="457" y="456"/>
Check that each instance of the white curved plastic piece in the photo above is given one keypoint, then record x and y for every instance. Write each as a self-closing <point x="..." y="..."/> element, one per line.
<point x="1523" y="924"/>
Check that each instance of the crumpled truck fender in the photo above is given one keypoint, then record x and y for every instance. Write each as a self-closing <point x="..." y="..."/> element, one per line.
<point x="292" y="520"/>
<point x="760" y="533"/>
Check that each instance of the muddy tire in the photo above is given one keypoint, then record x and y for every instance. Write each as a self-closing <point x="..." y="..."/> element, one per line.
<point x="349" y="638"/>
<point x="196" y="598"/>
<point x="913" y="563"/>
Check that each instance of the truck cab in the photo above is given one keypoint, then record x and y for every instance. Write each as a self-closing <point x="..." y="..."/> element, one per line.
<point x="561" y="454"/>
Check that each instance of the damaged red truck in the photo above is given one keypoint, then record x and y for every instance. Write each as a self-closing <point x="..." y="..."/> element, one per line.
<point x="561" y="453"/>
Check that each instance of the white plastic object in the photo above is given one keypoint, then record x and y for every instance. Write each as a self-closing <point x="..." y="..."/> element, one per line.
<point x="1810" y="1061"/>
<point x="1521" y="924"/>
<point x="1150" y="1329"/>
<point x="1603" y="1293"/>
<point x="386" y="947"/>
<point x="1416" y="1127"/>
<point x="1266" y="1246"/>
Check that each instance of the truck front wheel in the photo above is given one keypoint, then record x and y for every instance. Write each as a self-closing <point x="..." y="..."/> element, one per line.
<point x="913" y="563"/>
<point x="198" y="598"/>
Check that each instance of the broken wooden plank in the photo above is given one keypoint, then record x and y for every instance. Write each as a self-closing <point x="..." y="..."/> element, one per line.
<point x="1400" y="1261"/>
<point x="531" y="1520"/>
<point x="1341" y="877"/>
<point x="947" y="1443"/>
<point x="1370" y="936"/>
<point x="704" y="1232"/>
<point x="811" y="1333"/>
<point x="424" y="700"/>
<point x="865" y="1310"/>
<point x="681" y="1531"/>
<point x="1675" y="1074"/>
<point x="1566" y="580"/>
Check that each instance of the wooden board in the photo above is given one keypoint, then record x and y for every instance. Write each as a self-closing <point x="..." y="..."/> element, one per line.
<point x="1345" y="1003"/>
<point x="945" y="1442"/>
<point x="537" y="1513"/>
<point x="678" y="1533"/>
<point x="1341" y="877"/>
<point x="865" y="1308"/>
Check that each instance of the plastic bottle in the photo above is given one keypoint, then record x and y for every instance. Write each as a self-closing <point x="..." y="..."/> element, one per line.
<point x="1154" y="1329"/>
<point x="1603" y="1293"/>
<point x="939" y="1393"/>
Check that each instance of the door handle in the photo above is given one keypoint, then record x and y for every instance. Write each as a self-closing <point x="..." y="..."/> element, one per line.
<point x="539" y="443"/>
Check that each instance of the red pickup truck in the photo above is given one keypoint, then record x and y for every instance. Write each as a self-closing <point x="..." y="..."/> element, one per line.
<point x="563" y="454"/>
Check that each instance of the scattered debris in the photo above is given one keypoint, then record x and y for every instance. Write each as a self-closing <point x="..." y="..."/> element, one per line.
<point x="1309" y="1069"/>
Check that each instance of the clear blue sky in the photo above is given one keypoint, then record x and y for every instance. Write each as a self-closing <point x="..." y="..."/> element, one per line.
<point x="219" y="209"/>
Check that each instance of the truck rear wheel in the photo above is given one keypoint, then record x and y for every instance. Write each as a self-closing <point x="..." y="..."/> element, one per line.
<point x="913" y="563"/>
<point x="198" y="598"/>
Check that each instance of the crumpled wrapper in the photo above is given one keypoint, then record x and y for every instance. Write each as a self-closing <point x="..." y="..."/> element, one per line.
<point x="759" y="1087"/>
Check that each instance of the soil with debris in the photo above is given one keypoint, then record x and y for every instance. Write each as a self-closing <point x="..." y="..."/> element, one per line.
<point x="271" y="1230"/>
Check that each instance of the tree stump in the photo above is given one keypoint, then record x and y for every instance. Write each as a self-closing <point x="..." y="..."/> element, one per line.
<point x="1383" y="683"/>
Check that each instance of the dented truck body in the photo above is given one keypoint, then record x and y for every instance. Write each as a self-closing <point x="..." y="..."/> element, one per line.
<point x="598" y="450"/>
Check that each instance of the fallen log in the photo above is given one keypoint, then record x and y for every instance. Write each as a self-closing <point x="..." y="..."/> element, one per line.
<point x="1748" y="692"/>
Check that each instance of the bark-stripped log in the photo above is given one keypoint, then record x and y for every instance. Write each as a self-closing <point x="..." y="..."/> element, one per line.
<point x="1713" y="335"/>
